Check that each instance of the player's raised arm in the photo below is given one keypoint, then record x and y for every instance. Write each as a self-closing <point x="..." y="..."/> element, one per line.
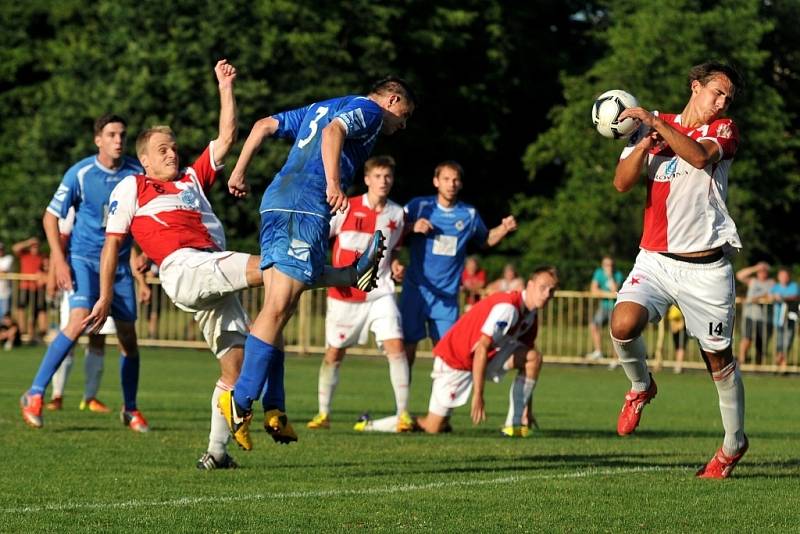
<point x="109" y="258"/>
<point x="333" y="136"/>
<point x="226" y="74"/>
<point x="496" y="234"/>
<point x="263" y="128"/>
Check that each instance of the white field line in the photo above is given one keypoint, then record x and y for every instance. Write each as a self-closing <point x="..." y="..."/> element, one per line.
<point x="385" y="490"/>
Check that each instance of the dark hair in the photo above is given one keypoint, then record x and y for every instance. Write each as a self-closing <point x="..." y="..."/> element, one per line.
<point x="451" y="164"/>
<point x="394" y="85"/>
<point x="705" y="72"/>
<point x="379" y="161"/>
<point x="549" y="269"/>
<point x="107" y="118"/>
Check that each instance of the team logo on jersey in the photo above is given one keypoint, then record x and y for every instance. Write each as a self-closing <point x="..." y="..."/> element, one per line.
<point x="672" y="166"/>
<point x="189" y="198"/>
<point x="500" y="325"/>
<point x="112" y="208"/>
<point x="299" y="249"/>
<point x="724" y="130"/>
<point x="460" y="225"/>
<point x="354" y="120"/>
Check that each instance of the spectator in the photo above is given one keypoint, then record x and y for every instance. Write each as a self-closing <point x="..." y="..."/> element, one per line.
<point x="30" y="262"/>
<point x="9" y="332"/>
<point x="6" y="264"/>
<point x="677" y="326"/>
<point x="785" y="294"/>
<point x="510" y="281"/>
<point x="606" y="279"/>
<point x="473" y="280"/>
<point x="756" y="327"/>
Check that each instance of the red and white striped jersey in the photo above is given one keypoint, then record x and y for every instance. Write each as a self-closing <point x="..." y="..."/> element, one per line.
<point x="353" y="231"/>
<point x="685" y="210"/>
<point x="501" y="316"/>
<point x="166" y="216"/>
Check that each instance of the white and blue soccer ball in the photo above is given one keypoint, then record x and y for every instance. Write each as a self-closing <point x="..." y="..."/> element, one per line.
<point x="606" y="111"/>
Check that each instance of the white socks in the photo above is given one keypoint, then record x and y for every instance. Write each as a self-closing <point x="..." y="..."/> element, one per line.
<point x="521" y="390"/>
<point x="399" y="376"/>
<point x="731" y="405"/>
<point x="328" y="380"/>
<point x="220" y="434"/>
<point x="61" y="375"/>
<point x="632" y="356"/>
<point x="93" y="372"/>
<point x="387" y="424"/>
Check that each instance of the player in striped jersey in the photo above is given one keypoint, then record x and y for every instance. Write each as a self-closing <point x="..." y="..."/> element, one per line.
<point x="685" y="242"/>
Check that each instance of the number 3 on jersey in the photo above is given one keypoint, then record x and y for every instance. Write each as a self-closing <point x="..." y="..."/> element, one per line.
<point x="321" y="111"/>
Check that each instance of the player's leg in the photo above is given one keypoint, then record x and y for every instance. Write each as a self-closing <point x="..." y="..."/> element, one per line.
<point x="385" y="322"/>
<point x="94" y="363"/>
<point x="61" y="375"/>
<point x="230" y="363"/>
<point x="747" y="340"/>
<point x="326" y="386"/>
<point x="598" y="321"/>
<point x="520" y="395"/>
<point x="413" y="312"/>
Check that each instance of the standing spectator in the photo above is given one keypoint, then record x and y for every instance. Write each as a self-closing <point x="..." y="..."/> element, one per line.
<point x="440" y="227"/>
<point x="510" y="281"/>
<point x="473" y="280"/>
<point x="677" y="327"/>
<point x="785" y="294"/>
<point x="30" y="262"/>
<point x="606" y="279"/>
<point x="6" y="264"/>
<point x="756" y="326"/>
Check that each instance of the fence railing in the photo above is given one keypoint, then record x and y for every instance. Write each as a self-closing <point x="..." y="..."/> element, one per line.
<point x="564" y="334"/>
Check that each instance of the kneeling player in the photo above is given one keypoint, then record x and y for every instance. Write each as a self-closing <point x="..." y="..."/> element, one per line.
<point x="501" y="324"/>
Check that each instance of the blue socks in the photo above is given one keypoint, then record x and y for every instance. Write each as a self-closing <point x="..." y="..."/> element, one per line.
<point x="261" y="361"/>
<point x="55" y="354"/>
<point x="129" y="376"/>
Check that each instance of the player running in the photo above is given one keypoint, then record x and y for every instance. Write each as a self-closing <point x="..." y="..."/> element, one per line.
<point x="441" y="226"/>
<point x="86" y="186"/>
<point x="683" y="259"/>
<point x="497" y="333"/>
<point x="331" y="139"/>
<point x="352" y="313"/>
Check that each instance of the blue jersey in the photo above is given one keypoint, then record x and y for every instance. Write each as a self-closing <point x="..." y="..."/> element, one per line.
<point x="87" y="186"/>
<point x="300" y="185"/>
<point x="437" y="258"/>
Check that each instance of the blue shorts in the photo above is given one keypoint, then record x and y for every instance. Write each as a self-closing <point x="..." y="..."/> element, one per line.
<point x="86" y="283"/>
<point x="425" y="314"/>
<point x="294" y="243"/>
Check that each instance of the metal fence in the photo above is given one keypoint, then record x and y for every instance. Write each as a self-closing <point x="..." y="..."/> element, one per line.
<point x="564" y="334"/>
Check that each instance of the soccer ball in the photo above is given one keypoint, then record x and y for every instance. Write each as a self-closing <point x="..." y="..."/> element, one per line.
<point x="606" y="110"/>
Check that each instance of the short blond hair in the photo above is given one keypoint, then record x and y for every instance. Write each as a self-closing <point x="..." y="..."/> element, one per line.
<point x="144" y="137"/>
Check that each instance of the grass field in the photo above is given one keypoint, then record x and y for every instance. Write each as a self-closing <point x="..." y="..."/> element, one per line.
<point x="85" y="472"/>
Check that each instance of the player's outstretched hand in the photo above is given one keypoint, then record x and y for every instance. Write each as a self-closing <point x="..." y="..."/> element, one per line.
<point x="226" y="72"/>
<point x="336" y="198"/>
<point x="237" y="185"/>
<point x="640" y="114"/>
<point x="509" y="223"/>
<point x="478" y="412"/>
<point x="422" y="226"/>
<point x="95" y="320"/>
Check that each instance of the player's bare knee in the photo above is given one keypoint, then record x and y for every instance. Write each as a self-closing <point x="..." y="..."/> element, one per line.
<point x="628" y="322"/>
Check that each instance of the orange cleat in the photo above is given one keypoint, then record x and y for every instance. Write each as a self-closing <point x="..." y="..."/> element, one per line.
<point x="632" y="409"/>
<point x="135" y="420"/>
<point x="31" y="406"/>
<point x="94" y="405"/>
<point x="721" y="465"/>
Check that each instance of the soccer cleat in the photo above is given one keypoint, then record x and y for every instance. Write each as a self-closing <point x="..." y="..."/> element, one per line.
<point x="207" y="462"/>
<point x="31" y="406"/>
<point x="134" y="419"/>
<point x="94" y="405"/>
<point x="405" y="423"/>
<point x="238" y="420"/>
<point x="594" y="356"/>
<point x="516" y="431"/>
<point x="366" y="265"/>
<point x="363" y="422"/>
<point x="278" y="426"/>
<point x="721" y="465"/>
<point x="320" y="421"/>
<point x="55" y="404"/>
<point x="631" y="411"/>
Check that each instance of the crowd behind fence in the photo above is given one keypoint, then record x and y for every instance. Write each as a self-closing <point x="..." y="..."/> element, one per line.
<point x="563" y="335"/>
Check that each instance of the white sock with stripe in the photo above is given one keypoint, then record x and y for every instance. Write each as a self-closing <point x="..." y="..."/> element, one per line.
<point x="387" y="424"/>
<point x="632" y="356"/>
<point x="518" y="394"/>
<point x="399" y="374"/>
<point x="220" y="433"/>
<point x="93" y="372"/>
<point x="731" y="406"/>
<point x="61" y="375"/>
<point x="328" y="380"/>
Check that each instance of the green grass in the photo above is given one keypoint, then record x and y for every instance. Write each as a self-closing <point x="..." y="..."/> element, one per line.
<point x="85" y="472"/>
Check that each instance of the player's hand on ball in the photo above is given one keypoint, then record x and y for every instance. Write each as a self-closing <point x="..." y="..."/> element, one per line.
<point x="640" y="114"/>
<point x="225" y="72"/>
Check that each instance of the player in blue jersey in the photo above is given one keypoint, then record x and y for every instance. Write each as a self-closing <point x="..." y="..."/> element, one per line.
<point x="86" y="186"/>
<point x="332" y="139"/>
<point x="441" y="227"/>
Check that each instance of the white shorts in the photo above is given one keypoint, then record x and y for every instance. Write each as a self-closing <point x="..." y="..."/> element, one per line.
<point x="109" y="327"/>
<point x="705" y="294"/>
<point x="451" y="388"/>
<point x="349" y="323"/>
<point x="205" y="283"/>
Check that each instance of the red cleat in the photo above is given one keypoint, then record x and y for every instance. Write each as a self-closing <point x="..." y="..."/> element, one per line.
<point x="721" y="465"/>
<point x="134" y="420"/>
<point x="31" y="407"/>
<point x="632" y="409"/>
<point x="55" y="404"/>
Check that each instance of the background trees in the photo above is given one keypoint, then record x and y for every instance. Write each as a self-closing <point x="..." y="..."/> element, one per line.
<point x="505" y="88"/>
